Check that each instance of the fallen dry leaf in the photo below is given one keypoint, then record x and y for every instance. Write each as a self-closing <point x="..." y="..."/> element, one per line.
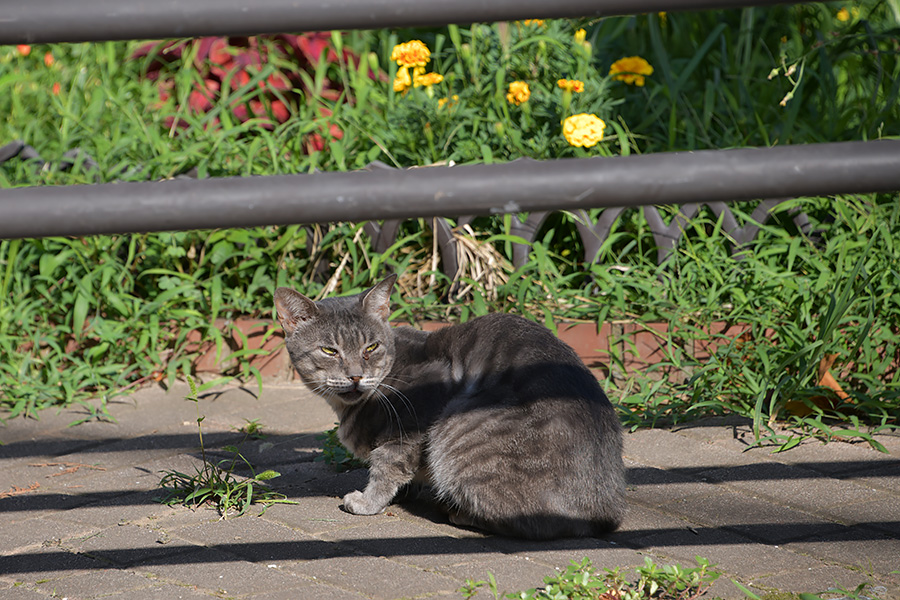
<point x="18" y="491"/>
<point x="824" y="379"/>
<point x="70" y="467"/>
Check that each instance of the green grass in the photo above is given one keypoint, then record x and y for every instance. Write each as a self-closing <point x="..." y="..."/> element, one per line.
<point x="99" y="315"/>
<point x="335" y="455"/>
<point x="582" y="581"/>
<point x="215" y="484"/>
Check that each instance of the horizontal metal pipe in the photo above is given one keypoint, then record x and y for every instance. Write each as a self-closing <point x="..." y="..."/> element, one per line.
<point x="44" y="21"/>
<point x="522" y="185"/>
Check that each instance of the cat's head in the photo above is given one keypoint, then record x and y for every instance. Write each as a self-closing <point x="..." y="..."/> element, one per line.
<point x="341" y="347"/>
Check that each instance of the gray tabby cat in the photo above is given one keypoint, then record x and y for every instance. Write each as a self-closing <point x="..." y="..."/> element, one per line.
<point x="503" y="420"/>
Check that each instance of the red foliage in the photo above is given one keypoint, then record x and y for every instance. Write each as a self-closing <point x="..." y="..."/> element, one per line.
<point x="233" y="61"/>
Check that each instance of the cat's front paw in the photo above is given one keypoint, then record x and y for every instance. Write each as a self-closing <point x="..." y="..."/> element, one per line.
<point x="358" y="504"/>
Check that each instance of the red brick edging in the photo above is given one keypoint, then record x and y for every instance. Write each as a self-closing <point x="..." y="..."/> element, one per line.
<point x="640" y="345"/>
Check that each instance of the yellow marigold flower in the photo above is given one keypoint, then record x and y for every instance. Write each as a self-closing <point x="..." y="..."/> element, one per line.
<point x="580" y="35"/>
<point x="402" y="81"/>
<point x="535" y="22"/>
<point x="571" y="85"/>
<point x="631" y="70"/>
<point x="843" y="14"/>
<point x="519" y="93"/>
<point x="426" y="79"/>
<point x="411" y="54"/>
<point x="448" y="102"/>
<point x="583" y="130"/>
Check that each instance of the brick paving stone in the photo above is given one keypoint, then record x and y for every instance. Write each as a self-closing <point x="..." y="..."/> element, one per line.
<point x="557" y="554"/>
<point x="756" y="518"/>
<point x="835" y="458"/>
<point x="125" y="545"/>
<point x="868" y="550"/>
<point x="180" y="516"/>
<point x="820" y="579"/>
<point x="97" y="583"/>
<point x="19" y="535"/>
<point x="278" y="450"/>
<point x="133" y="507"/>
<point x="641" y="521"/>
<point x="293" y="410"/>
<point x="716" y="429"/>
<point x="316" y="515"/>
<point x="257" y="540"/>
<point x="322" y="479"/>
<point x="163" y="591"/>
<point x="11" y="591"/>
<point x="691" y="492"/>
<point x="119" y="453"/>
<point x="790" y="485"/>
<point x="426" y="514"/>
<point x="670" y="542"/>
<point x="39" y="503"/>
<point x="512" y="574"/>
<point x="886" y="478"/>
<point x="45" y="563"/>
<point x="411" y="544"/>
<point x="40" y="448"/>
<point x="653" y="486"/>
<point x="882" y="513"/>
<point x="375" y="577"/>
<point x="729" y="552"/>
<point x="658" y="448"/>
<point x="316" y="590"/>
<point x="219" y="572"/>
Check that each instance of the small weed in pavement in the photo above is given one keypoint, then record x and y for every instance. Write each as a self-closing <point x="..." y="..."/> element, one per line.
<point x="253" y="429"/>
<point x="335" y="454"/>
<point x="215" y="483"/>
<point x="582" y="581"/>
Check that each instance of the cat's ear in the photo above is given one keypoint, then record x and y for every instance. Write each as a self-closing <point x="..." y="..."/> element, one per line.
<point x="377" y="300"/>
<point x="293" y="308"/>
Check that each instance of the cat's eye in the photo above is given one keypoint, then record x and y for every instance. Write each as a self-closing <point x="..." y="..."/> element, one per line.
<point x="369" y="350"/>
<point x="328" y="351"/>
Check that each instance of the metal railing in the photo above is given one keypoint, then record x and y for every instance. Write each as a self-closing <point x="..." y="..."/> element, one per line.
<point x="520" y="186"/>
<point x="44" y="21"/>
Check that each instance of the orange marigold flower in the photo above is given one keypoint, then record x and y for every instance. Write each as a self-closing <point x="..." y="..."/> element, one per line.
<point x="402" y="81"/>
<point x="843" y="15"/>
<point x="24" y="49"/>
<point x="535" y="22"/>
<point x="583" y="130"/>
<point x="411" y="54"/>
<point x="571" y="85"/>
<point x="631" y="70"/>
<point x="49" y="60"/>
<point x="56" y="88"/>
<point x="427" y="79"/>
<point x="519" y="93"/>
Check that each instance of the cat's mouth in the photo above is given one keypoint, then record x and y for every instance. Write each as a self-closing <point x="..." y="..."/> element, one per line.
<point x="352" y="395"/>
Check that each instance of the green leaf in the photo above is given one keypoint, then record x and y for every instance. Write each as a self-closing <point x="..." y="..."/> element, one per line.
<point x="79" y="314"/>
<point x="269" y="474"/>
<point x="746" y="592"/>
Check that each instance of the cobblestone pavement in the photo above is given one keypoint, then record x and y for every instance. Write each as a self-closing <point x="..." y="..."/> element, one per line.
<point x="78" y="519"/>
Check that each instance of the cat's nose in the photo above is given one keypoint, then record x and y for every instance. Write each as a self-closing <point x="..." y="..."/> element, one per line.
<point x="355" y="379"/>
